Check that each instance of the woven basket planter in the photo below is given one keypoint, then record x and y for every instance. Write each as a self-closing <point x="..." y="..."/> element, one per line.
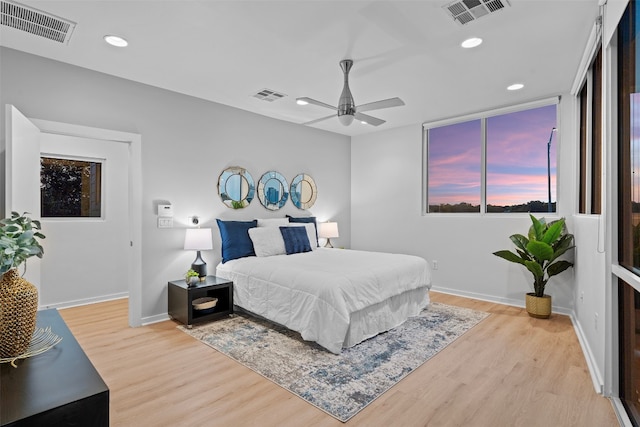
<point x="18" y="308"/>
<point x="538" y="307"/>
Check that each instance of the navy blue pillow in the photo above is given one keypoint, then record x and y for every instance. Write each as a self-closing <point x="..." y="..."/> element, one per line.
<point x="306" y="219"/>
<point x="296" y="240"/>
<point x="236" y="242"/>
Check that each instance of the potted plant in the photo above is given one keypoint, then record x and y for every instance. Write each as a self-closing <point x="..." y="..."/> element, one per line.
<point x="539" y="253"/>
<point x="19" y="236"/>
<point x="191" y="277"/>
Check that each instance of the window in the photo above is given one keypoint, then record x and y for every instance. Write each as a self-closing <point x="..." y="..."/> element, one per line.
<point x="519" y="150"/>
<point x="70" y="188"/>
<point x="628" y="143"/>
<point x="454" y="168"/>
<point x="590" y="98"/>
<point x="628" y="221"/>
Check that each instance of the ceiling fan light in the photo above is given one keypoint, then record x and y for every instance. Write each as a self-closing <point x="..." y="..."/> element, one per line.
<point x="346" y="119"/>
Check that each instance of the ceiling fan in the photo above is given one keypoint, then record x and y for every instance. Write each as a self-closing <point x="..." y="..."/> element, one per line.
<point x="347" y="109"/>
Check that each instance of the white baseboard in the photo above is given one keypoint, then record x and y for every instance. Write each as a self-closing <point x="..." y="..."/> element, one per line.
<point x="596" y="375"/>
<point x="155" y="319"/>
<point x="621" y="412"/>
<point x="490" y="298"/>
<point x="85" y="301"/>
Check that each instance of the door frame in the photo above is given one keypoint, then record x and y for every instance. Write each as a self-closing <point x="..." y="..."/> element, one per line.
<point x="134" y="142"/>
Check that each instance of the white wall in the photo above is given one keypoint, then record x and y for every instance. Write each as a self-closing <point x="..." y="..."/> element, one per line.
<point x="386" y="188"/>
<point x="590" y="291"/>
<point x="186" y="143"/>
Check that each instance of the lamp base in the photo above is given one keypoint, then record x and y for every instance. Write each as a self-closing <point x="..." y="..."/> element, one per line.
<point x="200" y="267"/>
<point x="328" y="244"/>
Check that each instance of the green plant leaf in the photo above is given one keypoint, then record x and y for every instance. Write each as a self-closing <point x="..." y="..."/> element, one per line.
<point x="558" y="267"/>
<point x="520" y="241"/>
<point x="540" y="250"/>
<point x="538" y="228"/>
<point x="553" y="232"/>
<point x="509" y="256"/>
<point x="535" y="269"/>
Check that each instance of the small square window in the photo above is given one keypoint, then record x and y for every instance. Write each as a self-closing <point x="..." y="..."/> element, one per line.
<point x="70" y="188"/>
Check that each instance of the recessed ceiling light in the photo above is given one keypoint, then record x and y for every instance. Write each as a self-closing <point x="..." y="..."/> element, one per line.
<point x="116" y="41"/>
<point x="515" y="86"/>
<point x="471" y="42"/>
<point x="364" y="122"/>
<point x="301" y="102"/>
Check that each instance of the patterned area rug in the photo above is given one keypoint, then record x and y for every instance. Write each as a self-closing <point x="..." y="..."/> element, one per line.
<point x="343" y="384"/>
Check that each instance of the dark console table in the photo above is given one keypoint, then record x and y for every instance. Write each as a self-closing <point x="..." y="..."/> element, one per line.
<point x="57" y="388"/>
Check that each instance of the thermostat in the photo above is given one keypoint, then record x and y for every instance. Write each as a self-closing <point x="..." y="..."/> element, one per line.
<point x="165" y="210"/>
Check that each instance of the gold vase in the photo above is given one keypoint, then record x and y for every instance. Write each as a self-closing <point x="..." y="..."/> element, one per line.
<point x="538" y="307"/>
<point x="18" y="308"/>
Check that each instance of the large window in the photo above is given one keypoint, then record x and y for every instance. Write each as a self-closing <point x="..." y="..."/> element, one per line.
<point x="629" y="142"/>
<point x="519" y="151"/>
<point x="629" y="208"/>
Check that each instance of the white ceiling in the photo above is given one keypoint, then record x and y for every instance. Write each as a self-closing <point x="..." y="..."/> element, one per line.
<point x="226" y="51"/>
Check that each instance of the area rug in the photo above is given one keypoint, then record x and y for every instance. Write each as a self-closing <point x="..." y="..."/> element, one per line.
<point x="339" y="384"/>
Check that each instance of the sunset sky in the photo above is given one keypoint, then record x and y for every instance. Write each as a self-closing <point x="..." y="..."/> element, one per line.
<point x="516" y="159"/>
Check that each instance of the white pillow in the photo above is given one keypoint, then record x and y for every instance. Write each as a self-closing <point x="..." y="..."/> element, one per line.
<point x="267" y="241"/>
<point x="273" y="222"/>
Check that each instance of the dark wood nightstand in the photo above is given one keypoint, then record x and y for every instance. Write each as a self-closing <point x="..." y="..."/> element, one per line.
<point x="181" y="296"/>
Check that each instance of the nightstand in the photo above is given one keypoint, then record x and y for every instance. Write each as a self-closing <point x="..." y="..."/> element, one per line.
<point x="181" y="296"/>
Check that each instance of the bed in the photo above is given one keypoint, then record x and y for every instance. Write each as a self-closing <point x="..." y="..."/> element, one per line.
<point x="335" y="297"/>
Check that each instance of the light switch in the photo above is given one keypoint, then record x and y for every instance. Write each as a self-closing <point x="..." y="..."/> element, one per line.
<point x="165" y="222"/>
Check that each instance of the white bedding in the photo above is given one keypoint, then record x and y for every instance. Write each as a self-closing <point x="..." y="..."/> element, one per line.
<point x="320" y="293"/>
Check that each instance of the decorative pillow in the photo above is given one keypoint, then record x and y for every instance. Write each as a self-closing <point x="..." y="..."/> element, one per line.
<point x="267" y="241"/>
<point x="236" y="242"/>
<point x="311" y="232"/>
<point x="295" y="240"/>
<point x="273" y="222"/>
<point x="307" y="219"/>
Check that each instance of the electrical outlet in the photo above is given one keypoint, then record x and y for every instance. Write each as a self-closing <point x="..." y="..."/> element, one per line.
<point x="435" y="264"/>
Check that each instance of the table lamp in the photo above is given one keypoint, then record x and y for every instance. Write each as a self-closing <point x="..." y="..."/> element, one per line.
<point x="198" y="239"/>
<point x="328" y="230"/>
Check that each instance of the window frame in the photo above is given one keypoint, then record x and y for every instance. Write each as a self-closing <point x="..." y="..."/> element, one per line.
<point x="482" y="116"/>
<point x="590" y="126"/>
<point x="103" y="165"/>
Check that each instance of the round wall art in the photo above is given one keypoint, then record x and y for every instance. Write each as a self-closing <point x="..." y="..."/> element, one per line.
<point x="273" y="190"/>
<point x="303" y="191"/>
<point x="236" y="187"/>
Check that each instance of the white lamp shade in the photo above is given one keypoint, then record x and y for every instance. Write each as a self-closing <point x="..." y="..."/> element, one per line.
<point x="198" y="239"/>
<point x="328" y="230"/>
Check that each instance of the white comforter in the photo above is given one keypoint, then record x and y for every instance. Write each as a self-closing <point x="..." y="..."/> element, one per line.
<point x="316" y="292"/>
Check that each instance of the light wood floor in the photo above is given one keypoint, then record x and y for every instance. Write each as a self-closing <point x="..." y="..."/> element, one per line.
<point x="510" y="370"/>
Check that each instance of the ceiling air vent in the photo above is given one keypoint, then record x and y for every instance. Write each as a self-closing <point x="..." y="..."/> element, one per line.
<point x="269" y="95"/>
<point x="465" y="11"/>
<point x="34" y="21"/>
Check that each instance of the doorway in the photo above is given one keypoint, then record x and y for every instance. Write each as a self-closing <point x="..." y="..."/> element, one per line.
<point x="87" y="240"/>
<point x="23" y="148"/>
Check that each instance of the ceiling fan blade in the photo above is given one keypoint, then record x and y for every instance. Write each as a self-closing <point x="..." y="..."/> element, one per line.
<point x="369" y="119"/>
<point x="318" y="103"/>
<point x="386" y="103"/>
<point x="319" y="120"/>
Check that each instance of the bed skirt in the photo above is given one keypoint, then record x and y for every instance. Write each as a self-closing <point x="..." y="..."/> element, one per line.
<point x="385" y="316"/>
